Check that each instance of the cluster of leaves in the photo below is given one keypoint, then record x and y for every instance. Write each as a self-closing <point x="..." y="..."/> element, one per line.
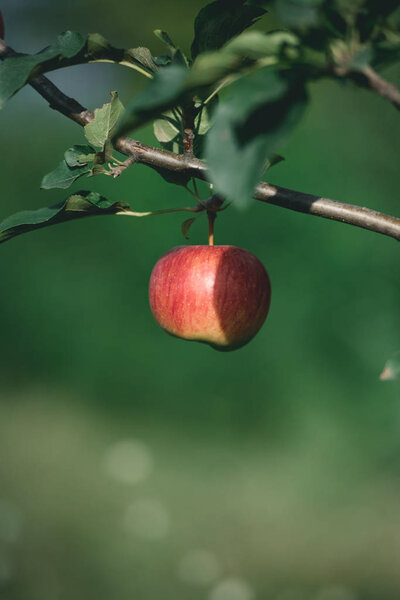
<point x="241" y="92"/>
<point x="89" y="159"/>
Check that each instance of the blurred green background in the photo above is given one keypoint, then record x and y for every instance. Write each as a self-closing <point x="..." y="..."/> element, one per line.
<point x="134" y="465"/>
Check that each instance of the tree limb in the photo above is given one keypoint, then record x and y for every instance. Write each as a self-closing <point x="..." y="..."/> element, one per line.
<point x="157" y="159"/>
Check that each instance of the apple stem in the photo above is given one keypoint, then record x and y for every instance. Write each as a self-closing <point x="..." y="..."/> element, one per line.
<point x="211" y="218"/>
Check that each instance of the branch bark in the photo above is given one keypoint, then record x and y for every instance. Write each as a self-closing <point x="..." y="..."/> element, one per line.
<point x="157" y="159"/>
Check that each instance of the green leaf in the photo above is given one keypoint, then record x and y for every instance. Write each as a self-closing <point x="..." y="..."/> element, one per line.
<point x="79" y="155"/>
<point x="78" y="161"/>
<point x="161" y="94"/>
<point x="81" y="204"/>
<point x="220" y="21"/>
<point x="165" y="39"/>
<point x="100" y="130"/>
<point x="69" y="44"/>
<point x="186" y="225"/>
<point x="144" y="57"/>
<point x="249" y="126"/>
<point x="16" y="71"/>
<point x="63" y="176"/>
<point x="173" y="84"/>
<point x="299" y="14"/>
<point x="177" y="55"/>
<point x="256" y="45"/>
<point x="69" y="49"/>
<point x="166" y="130"/>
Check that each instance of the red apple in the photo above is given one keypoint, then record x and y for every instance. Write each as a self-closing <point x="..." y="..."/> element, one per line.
<point x="214" y="294"/>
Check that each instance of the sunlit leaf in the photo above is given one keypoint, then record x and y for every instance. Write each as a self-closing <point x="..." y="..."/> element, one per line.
<point x="100" y="130"/>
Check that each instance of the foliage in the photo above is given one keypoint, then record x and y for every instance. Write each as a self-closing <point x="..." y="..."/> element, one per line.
<point x="241" y="92"/>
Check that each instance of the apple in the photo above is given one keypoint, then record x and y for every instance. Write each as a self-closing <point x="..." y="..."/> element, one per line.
<point x="219" y="295"/>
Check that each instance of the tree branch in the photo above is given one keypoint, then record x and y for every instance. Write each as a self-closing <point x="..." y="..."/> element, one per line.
<point x="368" y="78"/>
<point x="157" y="159"/>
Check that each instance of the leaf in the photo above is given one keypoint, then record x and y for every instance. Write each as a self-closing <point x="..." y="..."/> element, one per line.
<point x="100" y="130"/>
<point x="299" y="14"/>
<point x="162" y="93"/>
<point x="144" y="57"/>
<point x="173" y="84"/>
<point x="255" y="44"/>
<point x="177" y="55"/>
<point x="79" y="155"/>
<point x="78" y="161"/>
<point x="63" y="176"/>
<point x="186" y="227"/>
<point x="165" y="39"/>
<point x="249" y="126"/>
<point x="70" y="48"/>
<point x="371" y="13"/>
<point x="165" y="130"/>
<point x="220" y="21"/>
<point x="273" y="160"/>
<point x="81" y="204"/>
<point x="16" y="71"/>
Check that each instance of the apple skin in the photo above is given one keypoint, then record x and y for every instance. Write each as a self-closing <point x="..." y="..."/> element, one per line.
<point x="219" y="295"/>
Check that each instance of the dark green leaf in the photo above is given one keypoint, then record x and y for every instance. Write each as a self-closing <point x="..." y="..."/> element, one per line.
<point x="371" y="14"/>
<point x="78" y="161"/>
<point x="16" y="71"/>
<point x="220" y="21"/>
<point x="69" y="49"/>
<point x="81" y="204"/>
<point x="177" y="55"/>
<point x="163" y="60"/>
<point x="299" y="14"/>
<point x="249" y="126"/>
<point x="63" y="176"/>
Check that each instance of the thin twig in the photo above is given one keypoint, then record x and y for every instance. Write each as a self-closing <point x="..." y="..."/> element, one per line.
<point x="164" y="211"/>
<point x="157" y="158"/>
<point x="368" y="78"/>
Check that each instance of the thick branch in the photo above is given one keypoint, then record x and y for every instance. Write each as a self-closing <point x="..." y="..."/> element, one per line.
<point x="157" y="158"/>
